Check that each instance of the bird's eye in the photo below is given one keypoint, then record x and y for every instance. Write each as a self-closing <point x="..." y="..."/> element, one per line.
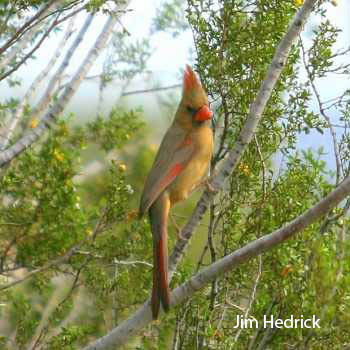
<point x="191" y="110"/>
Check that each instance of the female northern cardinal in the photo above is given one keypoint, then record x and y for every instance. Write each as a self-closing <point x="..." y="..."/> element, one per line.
<point x="180" y="165"/>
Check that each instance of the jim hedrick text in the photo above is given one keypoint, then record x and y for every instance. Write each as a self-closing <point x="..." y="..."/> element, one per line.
<point x="271" y="322"/>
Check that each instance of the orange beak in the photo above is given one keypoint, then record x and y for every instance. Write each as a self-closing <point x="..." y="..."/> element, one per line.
<point x="203" y="114"/>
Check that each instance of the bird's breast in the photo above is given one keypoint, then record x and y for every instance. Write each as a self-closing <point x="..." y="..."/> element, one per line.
<point x="196" y="168"/>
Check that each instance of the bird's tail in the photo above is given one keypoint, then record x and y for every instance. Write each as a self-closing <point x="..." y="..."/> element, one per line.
<point x="159" y="221"/>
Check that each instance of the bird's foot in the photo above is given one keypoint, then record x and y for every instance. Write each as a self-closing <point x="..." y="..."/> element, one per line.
<point x="177" y="229"/>
<point x="209" y="186"/>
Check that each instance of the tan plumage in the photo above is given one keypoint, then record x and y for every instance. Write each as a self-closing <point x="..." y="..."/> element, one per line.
<point x="180" y="165"/>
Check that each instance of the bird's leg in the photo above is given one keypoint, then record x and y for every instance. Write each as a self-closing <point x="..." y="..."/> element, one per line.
<point x="208" y="185"/>
<point x="177" y="229"/>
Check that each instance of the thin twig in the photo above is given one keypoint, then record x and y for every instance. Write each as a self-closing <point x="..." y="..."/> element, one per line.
<point x="262" y="160"/>
<point x="252" y="296"/>
<point x="32" y="89"/>
<point x="58" y="261"/>
<point x="25" y="40"/>
<point x="324" y="115"/>
<point x="30" y="53"/>
<point x="115" y="261"/>
<point x="47" y="95"/>
<point x="214" y="285"/>
<point x="24" y="27"/>
<point x="53" y="114"/>
<point x="259" y="330"/>
<point x="146" y="91"/>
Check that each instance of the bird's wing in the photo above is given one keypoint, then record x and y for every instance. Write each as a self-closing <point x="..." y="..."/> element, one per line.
<point x="173" y="155"/>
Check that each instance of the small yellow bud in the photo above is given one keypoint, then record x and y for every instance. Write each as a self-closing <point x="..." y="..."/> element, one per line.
<point x="132" y="215"/>
<point x="153" y="147"/>
<point x="58" y="155"/>
<point x="34" y="123"/>
<point x="244" y="168"/>
<point x="299" y="2"/>
<point x="122" y="167"/>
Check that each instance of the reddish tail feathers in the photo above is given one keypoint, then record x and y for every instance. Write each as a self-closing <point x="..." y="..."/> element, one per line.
<point x="159" y="221"/>
<point x="160" y="291"/>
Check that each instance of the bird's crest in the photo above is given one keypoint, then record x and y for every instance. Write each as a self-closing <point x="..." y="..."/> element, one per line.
<point x="190" y="79"/>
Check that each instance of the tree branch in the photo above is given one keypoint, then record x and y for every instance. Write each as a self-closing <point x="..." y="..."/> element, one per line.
<point x="24" y="27"/>
<point x="60" y="260"/>
<point x="142" y="317"/>
<point x="31" y="91"/>
<point x="248" y="130"/>
<point x="145" y="91"/>
<point x="52" y="115"/>
<point x="53" y="25"/>
<point x="46" y="97"/>
<point x="323" y="113"/>
<point x="65" y="62"/>
<point x="21" y="44"/>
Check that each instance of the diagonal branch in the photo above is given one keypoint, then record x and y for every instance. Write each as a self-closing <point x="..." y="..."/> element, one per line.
<point x="58" y="261"/>
<point x="27" y="37"/>
<point x="59" y="106"/>
<point x="47" y="96"/>
<point x="119" y="335"/>
<point x="21" y="44"/>
<point x="51" y="116"/>
<point x="24" y="27"/>
<point x="32" y="89"/>
<point x="28" y="55"/>
<point x="31" y="52"/>
<point x="323" y="114"/>
<point x="248" y="130"/>
<point x="145" y="91"/>
<point x="142" y="317"/>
